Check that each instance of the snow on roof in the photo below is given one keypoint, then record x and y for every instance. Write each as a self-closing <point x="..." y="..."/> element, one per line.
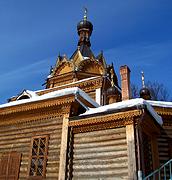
<point x="28" y="93"/>
<point x="85" y="57"/>
<point x="54" y="94"/>
<point x="160" y="103"/>
<point x="75" y="82"/>
<point x="32" y="93"/>
<point x="125" y="104"/>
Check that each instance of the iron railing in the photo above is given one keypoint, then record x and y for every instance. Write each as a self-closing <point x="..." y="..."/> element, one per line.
<point x="164" y="172"/>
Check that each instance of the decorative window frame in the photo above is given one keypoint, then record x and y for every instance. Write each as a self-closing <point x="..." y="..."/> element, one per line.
<point x="38" y="156"/>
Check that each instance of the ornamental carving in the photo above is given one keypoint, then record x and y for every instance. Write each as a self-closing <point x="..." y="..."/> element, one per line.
<point x="37" y="104"/>
<point x="102" y="126"/>
<point x="124" y="116"/>
<point x="91" y="66"/>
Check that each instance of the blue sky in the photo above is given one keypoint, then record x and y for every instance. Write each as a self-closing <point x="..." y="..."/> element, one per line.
<point x="132" y="32"/>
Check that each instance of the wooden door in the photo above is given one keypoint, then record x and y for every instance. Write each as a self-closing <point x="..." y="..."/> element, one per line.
<point x="9" y="166"/>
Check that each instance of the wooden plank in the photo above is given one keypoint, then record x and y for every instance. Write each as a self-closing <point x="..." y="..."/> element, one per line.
<point x="63" y="150"/>
<point x="131" y="151"/>
<point x="100" y="144"/>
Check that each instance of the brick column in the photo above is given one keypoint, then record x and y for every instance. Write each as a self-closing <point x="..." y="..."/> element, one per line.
<point x="125" y="82"/>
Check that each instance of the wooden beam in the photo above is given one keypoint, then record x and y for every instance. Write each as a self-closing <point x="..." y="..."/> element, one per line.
<point x="131" y="151"/>
<point x="63" y="149"/>
<point x="155" y="153"/>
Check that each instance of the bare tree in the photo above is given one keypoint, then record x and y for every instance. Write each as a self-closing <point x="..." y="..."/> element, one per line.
<point x="134" y="91"/>
<point x="157" y="90"/>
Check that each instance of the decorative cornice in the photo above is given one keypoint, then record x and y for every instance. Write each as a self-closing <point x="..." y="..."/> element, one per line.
<point x="88" y="85"/>
<point x="105" y="125"/>
<point x="163" y="110"/>
<point x="37" y="105"/>
<point x="32" y="115"/>
<point x="124" y="116"/>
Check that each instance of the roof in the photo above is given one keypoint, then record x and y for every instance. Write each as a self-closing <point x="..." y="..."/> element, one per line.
<point x="64" y="92"/>
<point x="138" y="102"/>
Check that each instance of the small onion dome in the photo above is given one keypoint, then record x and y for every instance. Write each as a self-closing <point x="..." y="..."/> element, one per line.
<point x="113" y="95"/>
<point x="84" y="24"/>
<point x="112" y="91"/>
<point x="145" y="93"/>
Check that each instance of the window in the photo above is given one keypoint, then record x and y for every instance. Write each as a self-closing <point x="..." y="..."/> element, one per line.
<point x="38" y="157"/>
<point x="10" y="165"/>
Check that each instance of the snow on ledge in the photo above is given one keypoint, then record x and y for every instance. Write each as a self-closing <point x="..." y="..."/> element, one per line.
<point x="54" y="94"/>
<point x="160" y="103"/>
<point x="125" y="104"/>
<point x="72" y="83"/>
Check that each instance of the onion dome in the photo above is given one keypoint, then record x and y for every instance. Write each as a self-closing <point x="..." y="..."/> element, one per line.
<point x="145" y="93"/>
<point x="112" y="91"/>
<point x="113" y="95"/>
<point x="85" y="25"/>
<point x="84" y="29"/>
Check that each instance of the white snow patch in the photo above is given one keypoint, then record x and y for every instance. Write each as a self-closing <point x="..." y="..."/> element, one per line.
<point x="28" y="93"/>
<point x="82" y="80"/>
<point x="49" y="76"/>
<point x="59" y="93"/>
<point x="85" y="57"/>
<point x="160" y="103"/>
<point x="125" y="104"/>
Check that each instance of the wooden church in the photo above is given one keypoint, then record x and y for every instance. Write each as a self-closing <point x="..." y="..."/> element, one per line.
<point x="84" y="125"/>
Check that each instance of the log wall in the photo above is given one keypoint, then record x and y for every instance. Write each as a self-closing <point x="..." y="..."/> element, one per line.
<point x="18" y="138"/>
<point x="165" y="144"/>
<point x="100" y="154"/>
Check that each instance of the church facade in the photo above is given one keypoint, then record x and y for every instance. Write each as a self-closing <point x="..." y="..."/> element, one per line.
<point x="83" y="125"/>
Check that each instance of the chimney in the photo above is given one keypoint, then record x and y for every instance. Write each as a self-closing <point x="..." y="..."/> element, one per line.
<point x="125" y="82"/>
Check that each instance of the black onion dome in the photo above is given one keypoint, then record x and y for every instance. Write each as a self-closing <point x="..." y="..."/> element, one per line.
<point x="84" y="24"/>
<point x="145" y="93"/>
<point x="112" y="91"/>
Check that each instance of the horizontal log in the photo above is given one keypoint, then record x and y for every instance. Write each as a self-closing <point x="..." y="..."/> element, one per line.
<point x="52" y="169"/>
<point x="104" y="155"/>
<point x="100" y="144"/>
<point x="101" y="173"/>
<point x="101" y="132"/>
<point x="100" y="161"/>
<point x="101" y="149"/>
<point x="99" y="167"/>
<point x="20" y="129"/>
<point x="52" y="175"/>
<point x="99" y="138"/>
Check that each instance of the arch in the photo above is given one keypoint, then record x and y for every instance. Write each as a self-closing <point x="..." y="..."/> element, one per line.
<point x="64" y="67"/>
<point x="91" y="66"/>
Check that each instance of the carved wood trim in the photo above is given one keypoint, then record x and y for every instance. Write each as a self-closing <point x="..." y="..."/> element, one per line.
<point x="102" y="126"/>
<point x="121" y="119"/>
<point x="34" y="115"/>
<point x="163" y="111"/>
<point x="37" y="105"/>
<point x="87" y="85"/>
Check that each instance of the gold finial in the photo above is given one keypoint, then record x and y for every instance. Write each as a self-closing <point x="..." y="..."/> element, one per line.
<point x="143" y="79"/>
<point x="112" y="76"/>
<point x="85" y="13"/>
